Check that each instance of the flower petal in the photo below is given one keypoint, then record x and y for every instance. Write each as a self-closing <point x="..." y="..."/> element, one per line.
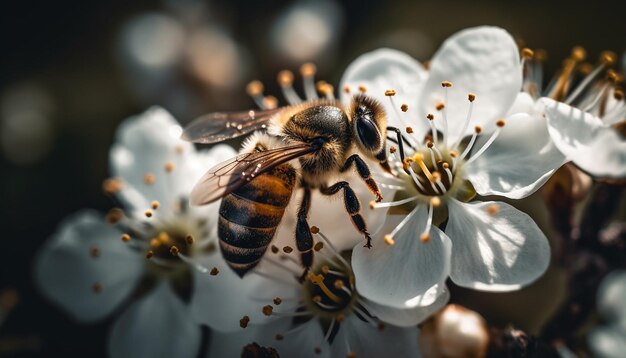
<point x="387" y="69"/>
<point x="157" y="325"/>
<point x="585" y="140"/>
<point x="612" y="296"/>
<point x="368" y="341"/>
<point x="408" y="273"/>
<point x="518" y="162"/>
<point x="482" y="60"/>
<point x="406" y="317"/>
<point x="144" y="145"/>
<point x="495" y="247"/>
<point x="83" y="253"/>
<point x="607" y="342"/>
<point x="245" y="296"/>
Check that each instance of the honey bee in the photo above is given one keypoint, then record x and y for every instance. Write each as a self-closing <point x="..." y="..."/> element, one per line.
<point x="303" y="147"/>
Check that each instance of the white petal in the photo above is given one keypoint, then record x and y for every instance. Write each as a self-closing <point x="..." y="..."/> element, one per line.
<point x="585" y="140"/>
<point x="367" y="340"/>
<point x="524" y="103"/>
<point x="482" y="60"/>
<point x="144" y="144"/>
<point x="608" y="342"/>
<point x="157" y="325"/>
<point x="612" y="296"/>
<point x="244" y="296"/>
<point x="518" y="162"/>
<point x="66" y="272"/>
<point x="406" y="317"/>
<point x="387" y="69"/>
<point x="299" y="343"/>
<point x="407" y="274"/>
<point x="499" y="252"/>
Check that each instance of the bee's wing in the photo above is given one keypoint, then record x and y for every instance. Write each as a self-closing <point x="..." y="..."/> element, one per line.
<point x="219" y="126"/>
<point x="230" y="175"/>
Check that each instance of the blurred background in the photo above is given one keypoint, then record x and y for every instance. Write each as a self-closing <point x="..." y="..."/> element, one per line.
<point x="70" y="71"/>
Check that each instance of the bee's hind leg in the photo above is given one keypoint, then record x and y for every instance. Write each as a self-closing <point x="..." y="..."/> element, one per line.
<point x="353" y="207"/>
<point x="304" y="239"/>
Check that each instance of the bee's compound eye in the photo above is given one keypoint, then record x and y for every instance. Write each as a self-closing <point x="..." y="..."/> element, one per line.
<point x="368" y="133"/>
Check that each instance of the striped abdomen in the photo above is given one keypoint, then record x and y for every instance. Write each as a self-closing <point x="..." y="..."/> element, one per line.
<point x="250" y="215"/>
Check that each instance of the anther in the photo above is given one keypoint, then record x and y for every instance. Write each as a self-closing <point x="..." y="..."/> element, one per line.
<point x="155" y="205"/>
<point x="471" y="97"/>
<point x="340" y="317"/>
<point x="243" y="322"/>
<point x="419" y="159"/>
<point x="578" y="53"/>
<point x="389" y="240"/>
<point x="618" y="94"/>
<point x="478" y="129"/>
<point x="149" y="254"/>
<point x="500" y="123"/>
<point x="318" y="280"/>
<point x="435" y="201"/>
<point x="372" y="204"/>
<point x="362" y="88"/>
<point x="189" y="239"/>
<point x="404" y="107"/>
<point x="287" y="249"/>
<point x="390" y="93"/>
<point x="214" y="271"/>
<point x="254" y="88"/>
<point x="430" y="116"/>
<point x="274" y="249"/>
<point x="97" y="287"/>
<point x="169" y="167"/>
<point x="541" y="55"/>
<point x="279" y="337"/>
<point x="429" y="144"/>
<point x="445" y="165"/>
<point x="454" y="153"/>
<point x="155" y="242"/>
<point x="493" y="209"/>
<point x="325" y="269"/>
<point x="318" y="246"/>
<point x="527" y="53"/>
<point x="270" y="102"/>
<point x="148" y="213"/>
<point x="94" y="252"/>
<point x="346" y="89"/>
<point x="409" y="130"/>
<point x="424" y="237"/>
<point x="285" y="78"/>
<point x="338" y="284"/>
<point x="174" y="251"/>
<point x="351" y="355"/>
<point x="148" y="178"/>
<point x="317" y="299"/>
<point x="317" y="350"/>
<point x="608" y="57"/>
<point x="278" y="301"/>
<point x="446" y="84"/>
<point x="314" y="230"/>
<point x="308" y="70"/>
<point x="392" y="149"/>
<point x="267" y="310"/>
<point x="125" y="237"/>
<point x="440" y="106"/>
<point x="114" y="216"/>
<point x="112" y="185"/>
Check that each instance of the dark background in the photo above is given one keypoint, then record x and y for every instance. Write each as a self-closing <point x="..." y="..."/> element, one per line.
<point x="63" y="60"/>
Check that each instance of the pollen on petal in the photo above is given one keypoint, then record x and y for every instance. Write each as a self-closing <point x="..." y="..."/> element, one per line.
<point x="214" y="271"/>
<point x="97" y="287"/>
<point x="125" y="237"/>
<point x="169" y="167"/>
<point x="148" y="178"/>
<point x="287" y="249"/>
<point x="493" y="209"/>
<point x="268" y="310"/>
<point x="277" y="301"/>
<point x="243" y="322"/>
<point x="148" y="213"/>
<point x="404" y="107"/>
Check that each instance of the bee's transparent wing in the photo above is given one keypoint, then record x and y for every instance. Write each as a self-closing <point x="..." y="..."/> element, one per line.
<point x="220" y="126"/>
<point x="229" y="175"/>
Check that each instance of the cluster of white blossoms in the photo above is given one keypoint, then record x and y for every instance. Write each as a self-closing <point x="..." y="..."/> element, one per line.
<point x="467" y="129"/>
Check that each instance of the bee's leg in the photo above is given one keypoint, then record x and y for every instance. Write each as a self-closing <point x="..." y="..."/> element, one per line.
<point x="304" y="239"/>
<point x="364" y="172"/>
<point x="400" y="141"/>
<point x="352" y="207"/>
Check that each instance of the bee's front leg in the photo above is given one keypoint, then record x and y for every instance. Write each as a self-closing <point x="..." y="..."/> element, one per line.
<point x="364" y="172"/>
<point x="353" y="206"/>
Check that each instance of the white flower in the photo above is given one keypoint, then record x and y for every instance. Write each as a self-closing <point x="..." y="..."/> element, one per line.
<point x="92" y="268"/>
<point x="486" y="245"/>
<point x="581" y="120"/>
<point x="330" y="319"/>
<point x="609" y="341"/>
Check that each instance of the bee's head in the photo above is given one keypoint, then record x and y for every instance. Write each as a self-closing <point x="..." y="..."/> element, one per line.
<point x="369" y="123"/>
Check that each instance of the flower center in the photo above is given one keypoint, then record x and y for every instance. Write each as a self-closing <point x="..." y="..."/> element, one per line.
<point x="329" y="290"/>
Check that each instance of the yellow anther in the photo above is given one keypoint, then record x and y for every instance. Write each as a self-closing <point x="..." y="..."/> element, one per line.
<point x="500" y="123"/>
<point x="325" y="269"/>
<point x="404" y="107"/>
<point x="270" y="102"/>
<point x="148" y="178"/>
<point x="155" y="243"/>
<point x="446" y="84"/>
<point x="338" y="284"/>
<point x="148" y="213"/>
<point x="362" y="88"/>
<point x="372" y="204"/>
<point x="112" y="185"/>
<point x="392" y="149"/>
<point x="578" y="53"/>
<point x="424" y="237"/>
<point x="125" y="237"/>
<point x="314" y="230"/>
<point x="390" y="93"/>
<point x="527" y="53"/>
<point x="285" y="78"/>
<point x="155" y="205"/>
<point x="318" y="246"/>
<point x="454" y="153"/>
<point x="478" y="129"/>
<point x="169" y="167"/>
<point x="493" y="209"/>
<point x="174" y="251"/>
<point x="430" y="116"/>
<point x="389" y="240"/>
<point x="440" y="106"/>
<point x="319" y="281"/>
<point x="308" y="70"/>
<point x="409" y="130"/>
<point x="608" y="57"/>
<point x="471" y="97"/>
<point x="254" y="88"/>
<point x="346" y="89"/>
<point x="445" y="165"/>
<point x="435" y="201"/>
<point x="214" y="271"/>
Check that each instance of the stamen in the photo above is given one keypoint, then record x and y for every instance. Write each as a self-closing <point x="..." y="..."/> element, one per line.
<point x="389" y="237"/>
<point x="392" y="203"/>
<point x="214" y="271"/>
<point x="470" y="97"/>
<point x="285" y="80"/>
<point x="330" y="245"/>
<point x="446" y="85"/>
<point x="500" y="124"/>
<point x="477" y="131"/>
<point x="431" y="119"/>
<point x="425" y="236"/>
<point x="419" y="159"/>
<point x="607" y="58"/>
<point x="287" y="249"/>
<point x="562" y="85"/>
<point x="255" y="90"/>
<point x="446" y="168"/>
<point x="416" y="179"/>
<point x="267" y="310"/>
<point x="270" y="102"/>
<point x="437" y="178"/>
<point x="308" y="71"/>
<point x="390" y="93"/>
